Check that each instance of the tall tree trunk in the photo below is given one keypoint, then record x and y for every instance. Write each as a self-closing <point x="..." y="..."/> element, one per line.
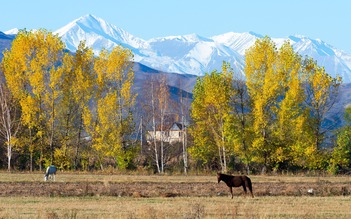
<point x="52" y="131"/>
<point x="31" y="149"/>
<point x="31" y="161"/>
<point x="154" y="127"/>
<point x="9" y="155"/>
<point x="223" y="147"/>
<point x="220" y="158"/>
<point x="162" y="144"/>
<point x="80" y="129"/>
<point x="184" y="143"/>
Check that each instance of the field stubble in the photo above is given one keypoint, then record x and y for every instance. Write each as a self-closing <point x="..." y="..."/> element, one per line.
<point x="140" y="196"/>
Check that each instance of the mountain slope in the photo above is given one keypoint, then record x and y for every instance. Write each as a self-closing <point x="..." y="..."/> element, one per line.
<point x="5" y="42"/>
<point x="190" y="54"/>
<point x="194" y="54"/>
<point x="239" y="42"/>
<point x="98" y="34"/>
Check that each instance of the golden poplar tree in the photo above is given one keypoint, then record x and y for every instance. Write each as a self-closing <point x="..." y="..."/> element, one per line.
<point x="30" y="68"/>
<point x="77" y="92"/>
<point x="264" y="87"/>
<point x="204" y="149"/>
<point x="290" y="98"/>
<point x="111" y="123"/>
<point x="291" y="125"/>
<point x="321" y="90"/>
<point x="211" y="113"/>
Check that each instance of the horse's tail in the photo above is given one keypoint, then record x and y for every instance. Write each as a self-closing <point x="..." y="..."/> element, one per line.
<point x="249" y="184"/>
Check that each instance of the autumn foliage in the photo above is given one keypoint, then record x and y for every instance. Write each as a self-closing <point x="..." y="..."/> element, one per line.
<point x="77" y="110"/>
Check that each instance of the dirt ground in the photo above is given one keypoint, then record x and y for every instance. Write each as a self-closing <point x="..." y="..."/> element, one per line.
<point x="166" y="189"/>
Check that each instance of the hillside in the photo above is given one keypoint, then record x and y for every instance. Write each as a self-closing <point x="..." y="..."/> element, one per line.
<point x="195" y="54"/>
<point x="5" y="42"/>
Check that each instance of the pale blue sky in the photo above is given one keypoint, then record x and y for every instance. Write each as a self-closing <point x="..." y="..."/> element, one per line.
<point x="325" y="19"/>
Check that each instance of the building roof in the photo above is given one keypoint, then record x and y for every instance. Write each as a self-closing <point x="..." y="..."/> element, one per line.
<point x="177" y="126"/>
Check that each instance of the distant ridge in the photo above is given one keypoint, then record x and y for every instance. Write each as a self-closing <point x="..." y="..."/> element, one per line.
<point x="194" y="54"/>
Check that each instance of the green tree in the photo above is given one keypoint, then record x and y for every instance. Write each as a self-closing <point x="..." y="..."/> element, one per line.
<point x="204" y="149"/>
<point x="341" y="155"/>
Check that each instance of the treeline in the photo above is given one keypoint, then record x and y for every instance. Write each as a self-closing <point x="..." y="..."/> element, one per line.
<point x="62" y="108"/>
<point x="275" y="119"/>
<point x="78" y="111"/>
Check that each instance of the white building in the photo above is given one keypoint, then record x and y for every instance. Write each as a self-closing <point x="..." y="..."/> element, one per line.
<point x="171" y="135"/>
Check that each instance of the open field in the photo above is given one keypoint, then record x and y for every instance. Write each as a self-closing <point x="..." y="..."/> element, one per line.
<point x="178" y="207"/>
<point x="24" y="195"/>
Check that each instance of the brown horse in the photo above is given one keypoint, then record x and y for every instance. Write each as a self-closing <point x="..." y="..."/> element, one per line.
<point x="236" y="181"/>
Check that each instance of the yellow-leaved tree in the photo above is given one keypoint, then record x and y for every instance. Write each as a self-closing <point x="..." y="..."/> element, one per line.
<point x="211" y="114"/>
<point x="31" y="72"/>
<point x="264" y="84"/>
<point x="291" y="117"/>
<point x="110" y="124"/>
<point x="290" y="98"/>
<point x="77" y="91"/>
<point x="321" y="90"/>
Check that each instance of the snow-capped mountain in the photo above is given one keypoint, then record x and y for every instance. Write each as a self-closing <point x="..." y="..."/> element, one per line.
<point x="98" y="34"/>
<point x="335" y="61"/>
<point x="239" y="42"/>
<point x="13" y="31"/>
<point x="194" y="54"/>
<point x="191" y="54"/>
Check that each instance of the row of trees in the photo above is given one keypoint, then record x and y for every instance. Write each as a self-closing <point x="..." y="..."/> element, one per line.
<point x="78" y="111"/>
<point x="52" y="100"/>
<point x="276" y="118"/>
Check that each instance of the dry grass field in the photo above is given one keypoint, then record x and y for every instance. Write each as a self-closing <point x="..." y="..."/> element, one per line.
<point x="24" y="195"/>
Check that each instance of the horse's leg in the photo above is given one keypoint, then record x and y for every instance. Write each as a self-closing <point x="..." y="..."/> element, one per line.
<point x="251" y="192"/>
<point x="244" y="187"/>
<point x="231" y="191"/>
<point x="249" y="184"/>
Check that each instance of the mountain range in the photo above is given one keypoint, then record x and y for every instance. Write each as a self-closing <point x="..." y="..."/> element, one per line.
<point x="193" y="54"/>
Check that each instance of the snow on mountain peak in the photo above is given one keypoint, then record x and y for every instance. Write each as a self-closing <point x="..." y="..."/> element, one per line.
<point x="192" y="53"/>
<point x="189" y="38"/>
<point x="239" y="42"/>
<point x="98" y="34"/>
<point x="13" y="31"/>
